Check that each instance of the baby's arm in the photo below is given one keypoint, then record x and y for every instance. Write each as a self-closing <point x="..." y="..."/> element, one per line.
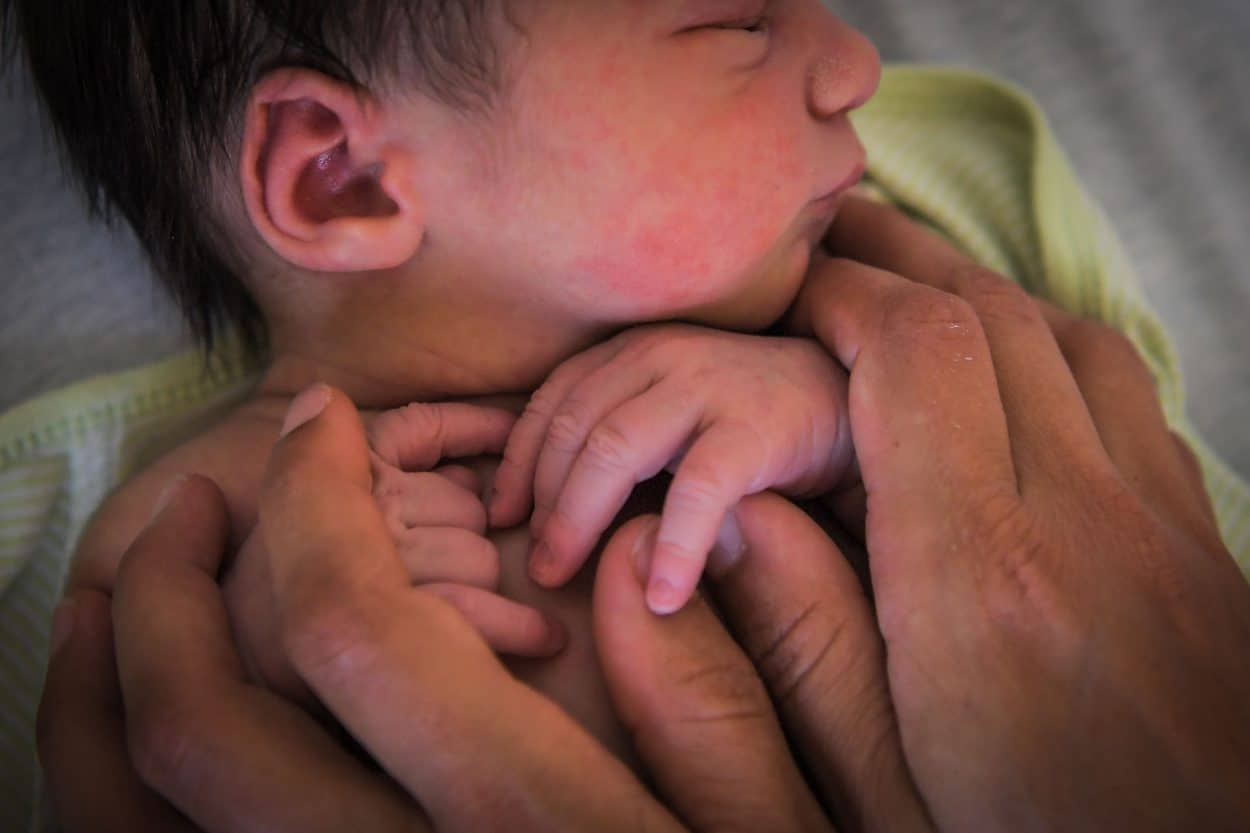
<point x="729" y="414"/>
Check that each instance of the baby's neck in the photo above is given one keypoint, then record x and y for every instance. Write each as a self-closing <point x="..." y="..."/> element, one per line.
<point x="384" y="363"/>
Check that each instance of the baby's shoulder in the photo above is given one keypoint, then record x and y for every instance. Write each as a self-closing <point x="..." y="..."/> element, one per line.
<point x="232" y="453"/>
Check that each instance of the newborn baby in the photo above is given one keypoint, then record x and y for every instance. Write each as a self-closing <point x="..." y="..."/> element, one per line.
<point x="455" y="203"/>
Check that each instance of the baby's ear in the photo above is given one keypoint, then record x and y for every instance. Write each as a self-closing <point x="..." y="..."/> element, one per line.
<point x="324" y="185"/>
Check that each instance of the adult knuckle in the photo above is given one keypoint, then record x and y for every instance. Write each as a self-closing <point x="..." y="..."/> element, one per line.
<point x="1015" y="575"/>
<point x="921" y="313"/>
<point x="283" y="486"/>
<point x="724" y="690"/>
<point x="330" y="635"/>
<point x="802" y="652"/>
<point x="1094" y="347"/>
<point x="993" y="296"/>
<point x="164" y="738"/>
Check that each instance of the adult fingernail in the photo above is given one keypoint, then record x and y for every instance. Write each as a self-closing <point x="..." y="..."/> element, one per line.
<point x="306" y="406"/>
<point x="62" y="625"/>
<point x="728" y="549"/>
<point x="644" y="549"/>
<point x="171" y="490"/>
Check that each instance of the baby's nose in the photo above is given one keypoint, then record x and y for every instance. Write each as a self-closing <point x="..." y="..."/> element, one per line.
<point x="844" y="76"/>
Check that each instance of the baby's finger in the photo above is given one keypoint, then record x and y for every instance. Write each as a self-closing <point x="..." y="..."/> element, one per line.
<point x="514" y="480"/>
<point x="449" y="554"/>
<point x="463" y="476"/>
<point x="508" y="627"/>
<point x="722" y="466"/>
<point x="416" y="437"/>
<point x="631" y="445"/>
<point x="413" y="499"/>
<point x="578" y="424"/>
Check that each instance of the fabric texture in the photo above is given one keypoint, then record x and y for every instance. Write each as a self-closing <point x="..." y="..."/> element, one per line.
<point x="969" y="154"/>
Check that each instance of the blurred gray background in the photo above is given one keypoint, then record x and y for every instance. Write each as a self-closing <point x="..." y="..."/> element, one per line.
<point x="1150" y="98"/>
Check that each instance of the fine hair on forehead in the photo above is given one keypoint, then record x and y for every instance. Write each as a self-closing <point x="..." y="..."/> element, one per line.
<point x="146" y="97"/>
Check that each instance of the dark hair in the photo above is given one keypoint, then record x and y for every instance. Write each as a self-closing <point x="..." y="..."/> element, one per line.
<point x="144" y="97"/>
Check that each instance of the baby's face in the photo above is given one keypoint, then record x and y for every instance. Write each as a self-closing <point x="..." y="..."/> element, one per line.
<point x="659" y="159"/>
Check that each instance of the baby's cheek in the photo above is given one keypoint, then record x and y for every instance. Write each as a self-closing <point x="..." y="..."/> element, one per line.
<point x="678" y="247"/>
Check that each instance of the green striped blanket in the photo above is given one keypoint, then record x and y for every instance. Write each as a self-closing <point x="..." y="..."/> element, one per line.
<point x="971" y="155"/>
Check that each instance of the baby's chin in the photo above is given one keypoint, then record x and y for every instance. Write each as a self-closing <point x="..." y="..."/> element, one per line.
<point x="762" y="299"/>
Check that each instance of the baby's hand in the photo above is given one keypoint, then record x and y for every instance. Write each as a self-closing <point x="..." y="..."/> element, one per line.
<point x="730" y="414"/>
<point x="438" y="522"/>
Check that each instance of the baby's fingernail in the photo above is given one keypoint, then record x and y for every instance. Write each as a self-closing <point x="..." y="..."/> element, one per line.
<point x="171" y="490"/>
<point x="306" y="406"/>
<point x="728" y="549"/>
<point x="663" y="597"/>
<point x="644" y="548"/>
<point x="542" y="564"/>
<point x="62" y="625"/>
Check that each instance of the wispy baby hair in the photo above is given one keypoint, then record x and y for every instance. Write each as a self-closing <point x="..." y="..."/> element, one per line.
<point x="145" y="97"/>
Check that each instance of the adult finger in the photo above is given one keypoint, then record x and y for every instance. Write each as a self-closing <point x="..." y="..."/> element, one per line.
<point x="82" y="734"/>
<point x="403" y="670"/>
<point x="512" y="491"/>
<point x="912" y="389"/>
<point x="801" y="615"/>
<point x="227" y="754"/>
<point x="1120" y="393"/>
<point x="1050" y="429"/>
<point x="417" y="436"/>
<point x="698" y="713"/>
<point x="630" y="445"/>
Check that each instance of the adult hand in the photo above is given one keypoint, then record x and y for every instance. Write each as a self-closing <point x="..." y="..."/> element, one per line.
<point x="1066" y="634"/>
<point x="406" y="674"/>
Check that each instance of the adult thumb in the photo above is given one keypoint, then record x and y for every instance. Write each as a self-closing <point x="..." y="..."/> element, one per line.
<point x="699" y="716"/>
<point x="798" y="610"/>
